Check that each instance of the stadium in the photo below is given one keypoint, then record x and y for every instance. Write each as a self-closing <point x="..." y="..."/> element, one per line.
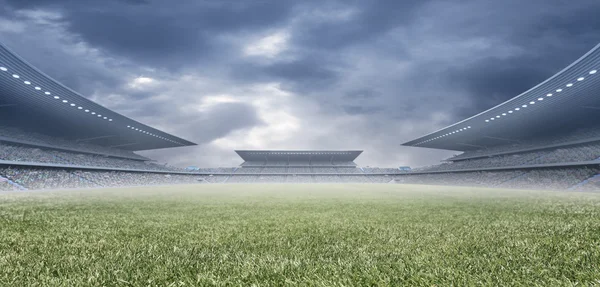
<point x="285" y="217"/>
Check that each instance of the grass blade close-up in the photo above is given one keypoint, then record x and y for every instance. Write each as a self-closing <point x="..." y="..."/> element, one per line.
<point x="317" y="235"/>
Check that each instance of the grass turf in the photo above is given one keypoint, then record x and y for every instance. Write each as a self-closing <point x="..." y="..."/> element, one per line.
<point x="318" y="235"/>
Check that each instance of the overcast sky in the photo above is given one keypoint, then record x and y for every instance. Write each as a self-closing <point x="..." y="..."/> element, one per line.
<point x="281" y="74"/>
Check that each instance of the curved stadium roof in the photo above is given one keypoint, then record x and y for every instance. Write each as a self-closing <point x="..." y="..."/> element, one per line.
<point x="566" y="101"/>
<point x="31" y="100"/>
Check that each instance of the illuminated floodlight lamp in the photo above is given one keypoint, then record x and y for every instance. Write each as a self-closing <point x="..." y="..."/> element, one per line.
<point x="591" y="72"/>
<point x="559" y="90"/>
<point x="5" y="69"/>
<point x="16" y="76"/>
<point x="72" y="105"/>
<point x="87" y="111"/>
<point x="38" y="88"/>
<point x="580" y="79"/>
<point x="569" y="84"/>
<point x="65" y="101"/>
<point x="487" y="121"/>
<point x="540" y="99"/>
<point x="57" y="97"/>
<point x="27" y="82"/>
<point x="47" y="93"/>
<point x="549" y="95"/>
<point x="524" y="106"/>
<point x="79" y="108"/>
<point x="532" y="103"/>
<point x="516" y="109"/>
<point x="504" y="114"/>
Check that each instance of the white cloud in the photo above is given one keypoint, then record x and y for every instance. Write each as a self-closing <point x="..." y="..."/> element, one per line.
<point x="9" y="26"/>
<point x="268" y="46"/>
<point x="141" y="82"/>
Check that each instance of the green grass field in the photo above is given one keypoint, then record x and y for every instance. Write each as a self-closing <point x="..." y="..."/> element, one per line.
<point x="315" y="235"/>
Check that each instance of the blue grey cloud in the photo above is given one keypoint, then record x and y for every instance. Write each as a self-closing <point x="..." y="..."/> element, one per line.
<point x="361" y="74"/>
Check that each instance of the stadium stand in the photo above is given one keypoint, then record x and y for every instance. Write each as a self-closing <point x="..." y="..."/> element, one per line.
<point x="545" y="138"/>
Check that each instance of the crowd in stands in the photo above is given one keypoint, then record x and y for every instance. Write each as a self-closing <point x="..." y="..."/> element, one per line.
<point x="217" y="170"/>
<point x="11" y="133"/>
<point x="576" y="153"/>
<point x="270" y="178"/>
<point x="580" y="135"/>
<point x="543" y="178"/>
<point x="214" y="178"/>
<point x="16" y="152"/>
<point x="297" y="163"/>
<point x="55" y="178"/>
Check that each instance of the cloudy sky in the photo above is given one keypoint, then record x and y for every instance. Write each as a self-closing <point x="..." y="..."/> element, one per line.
<point x="293" y="74"/>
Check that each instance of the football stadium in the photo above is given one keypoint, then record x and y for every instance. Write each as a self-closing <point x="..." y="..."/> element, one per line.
<point x="516" y="205"/>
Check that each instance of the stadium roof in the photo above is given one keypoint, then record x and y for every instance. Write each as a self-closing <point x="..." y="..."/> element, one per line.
<point x="299" y="155"/>
<point x="568" y="100"/>
<point x="31" y="100"/>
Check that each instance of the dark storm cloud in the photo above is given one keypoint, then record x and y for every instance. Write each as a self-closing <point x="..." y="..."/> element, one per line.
<point x="372" y="19"/>
<point x="551" y="34"/>
<point x="362" y="94"/>
<point x="398" y="69"/>
<point x="162" y="33"/>
<point x="361" y="109"/>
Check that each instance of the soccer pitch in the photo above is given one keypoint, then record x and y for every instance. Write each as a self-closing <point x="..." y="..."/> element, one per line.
<point x="303" y="234"/>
